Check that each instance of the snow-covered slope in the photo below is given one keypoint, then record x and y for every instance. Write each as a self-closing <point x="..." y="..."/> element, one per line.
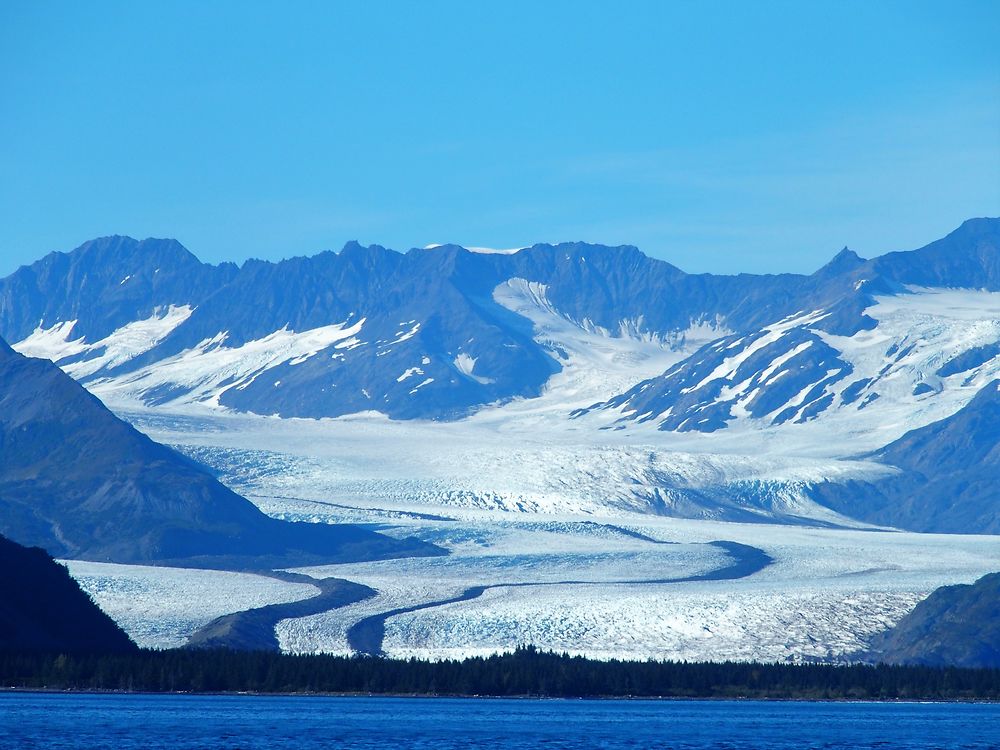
<point x="593" y="360"/>
<point x="83" y="360"/>
<point x="203" y="373"/>
<point x="928" y="353"/>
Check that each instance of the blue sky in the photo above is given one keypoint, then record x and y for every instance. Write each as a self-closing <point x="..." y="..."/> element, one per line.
<point x="722" y="136"/>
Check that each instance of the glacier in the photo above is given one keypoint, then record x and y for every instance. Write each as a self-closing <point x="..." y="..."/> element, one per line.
<point x="572" y="422"/>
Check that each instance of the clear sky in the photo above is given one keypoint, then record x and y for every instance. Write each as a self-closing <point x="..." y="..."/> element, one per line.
<point x="722" y="136"/>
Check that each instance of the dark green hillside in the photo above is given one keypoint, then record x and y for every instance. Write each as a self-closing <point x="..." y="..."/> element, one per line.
<point x="43" y="608"/>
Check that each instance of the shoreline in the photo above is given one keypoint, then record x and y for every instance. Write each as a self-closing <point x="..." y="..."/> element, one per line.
<point x="526" y="673"/>
<point x="525" y="697"/>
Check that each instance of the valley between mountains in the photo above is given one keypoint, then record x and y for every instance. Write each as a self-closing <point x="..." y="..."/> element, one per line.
<point x="574" y="446"/>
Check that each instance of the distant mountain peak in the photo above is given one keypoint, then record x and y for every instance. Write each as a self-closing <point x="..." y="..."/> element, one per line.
<point x="354" y="250"/>
<point x="844" y="261"/>
<point x="124" y="247"/>
<point x="352" y="246"/>
<point x="980" y="223"/>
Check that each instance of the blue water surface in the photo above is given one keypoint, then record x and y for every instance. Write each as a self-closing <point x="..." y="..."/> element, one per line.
<point x="184" y="722"/>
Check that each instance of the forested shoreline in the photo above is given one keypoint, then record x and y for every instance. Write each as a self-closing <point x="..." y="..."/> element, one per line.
<point x="525" y="672"/>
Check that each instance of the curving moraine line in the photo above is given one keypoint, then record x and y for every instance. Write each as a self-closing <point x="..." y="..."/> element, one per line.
<point x="253" y="629"/>
<point x="366" y="636"/>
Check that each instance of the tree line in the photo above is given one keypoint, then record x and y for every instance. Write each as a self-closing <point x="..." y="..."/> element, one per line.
<point x="524" y="672"/>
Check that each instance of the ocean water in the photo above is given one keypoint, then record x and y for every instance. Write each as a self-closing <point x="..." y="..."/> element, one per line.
<point x="183" y="722"/>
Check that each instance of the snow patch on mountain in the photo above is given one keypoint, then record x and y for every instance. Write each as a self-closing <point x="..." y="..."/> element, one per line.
<point x="130" y="341"/>
<point x="495" y="250"/>
<point x="407" y="331"/>
<point x="421" y="384"/>
<point x="466" y="365"/>
<point x="52" y="343"/>
<point x="481" y="250"/>
<point x="408" y="373"/>
<point x="81" y="359"/>
<point x="204" y="372"/>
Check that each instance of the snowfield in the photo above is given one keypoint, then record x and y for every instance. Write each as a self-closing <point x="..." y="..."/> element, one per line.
<point x="484" y="552"/>
<point x="713" y="624"/>
<point x="476" y="464"/>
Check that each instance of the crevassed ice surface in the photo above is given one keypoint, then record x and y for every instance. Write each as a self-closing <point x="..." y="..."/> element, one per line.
<point x="827" y="592"/>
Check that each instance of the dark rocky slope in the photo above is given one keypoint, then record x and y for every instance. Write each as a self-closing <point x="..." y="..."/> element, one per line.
<point x="956" y="626"/>
<point x="42" y="608"/>
<point x="81" y="483"/>
<point x="949" y="478"/>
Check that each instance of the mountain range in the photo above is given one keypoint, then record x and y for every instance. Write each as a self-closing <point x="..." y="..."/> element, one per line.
<point x="887" y="359"/>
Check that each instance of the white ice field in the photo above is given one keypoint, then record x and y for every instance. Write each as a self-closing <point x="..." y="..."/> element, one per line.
<point x="518" y="493"/>
<point x="826" y="593"/>
<point x="828" y="590"/>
